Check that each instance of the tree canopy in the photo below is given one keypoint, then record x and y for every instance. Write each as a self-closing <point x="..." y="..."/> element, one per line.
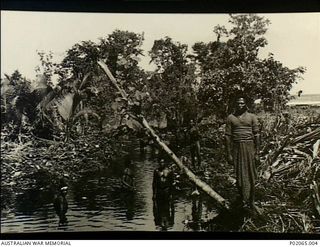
<point x="233" y="66"/>
<point x="183" y="85"/>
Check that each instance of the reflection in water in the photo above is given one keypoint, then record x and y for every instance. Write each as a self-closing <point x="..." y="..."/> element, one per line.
<point x="196" y="222"/>
<point x="163" y="212"/>
<point x="129" y="204"/>
<point x="98" y="202"/>
<point x="33" y="200"/>
<point x="196" y="212"/>
<point x="61" y="205"/>
<point x="228" y="220"/>
<point x="107" y="201"/>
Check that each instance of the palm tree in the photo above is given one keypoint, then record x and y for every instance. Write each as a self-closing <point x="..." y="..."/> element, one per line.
<point x="69" y="103"/>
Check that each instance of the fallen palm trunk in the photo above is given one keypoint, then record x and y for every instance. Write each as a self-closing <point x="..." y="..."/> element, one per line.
<point x="306" y="137"/>
<point x="205" y="187"/>
<point x="202" y="185"/>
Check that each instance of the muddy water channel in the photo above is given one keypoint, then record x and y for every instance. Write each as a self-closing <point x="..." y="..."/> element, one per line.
<point x="97" y="202"/>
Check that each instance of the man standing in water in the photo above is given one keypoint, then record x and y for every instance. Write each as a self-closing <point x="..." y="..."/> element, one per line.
<point x="128" y="178"/>
<point x="242" y="143"/>
<point x="163" y="208"/>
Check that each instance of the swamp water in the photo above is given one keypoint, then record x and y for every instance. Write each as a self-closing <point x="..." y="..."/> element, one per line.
<point x="97" y="202"/>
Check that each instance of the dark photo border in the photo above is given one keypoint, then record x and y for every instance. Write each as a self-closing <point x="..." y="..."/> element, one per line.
<point x="161" y="6"/>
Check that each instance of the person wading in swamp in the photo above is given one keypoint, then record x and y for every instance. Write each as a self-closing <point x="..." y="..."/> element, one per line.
<point x="127" y="179"/>
<point x="162" y="185"/>
<point x="242" y="143"/>
<point x="60" y="202"/>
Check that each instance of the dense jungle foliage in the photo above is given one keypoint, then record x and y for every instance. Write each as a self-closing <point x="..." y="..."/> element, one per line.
<point x="71" y="113"/>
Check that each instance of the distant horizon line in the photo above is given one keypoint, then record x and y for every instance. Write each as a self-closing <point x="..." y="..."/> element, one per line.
<point x="303" y="94"/>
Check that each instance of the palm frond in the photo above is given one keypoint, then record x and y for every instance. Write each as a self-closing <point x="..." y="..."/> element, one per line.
<point x="47" y="101"/>
<point x="84" y="81"/>
<point x="65" y="105"/>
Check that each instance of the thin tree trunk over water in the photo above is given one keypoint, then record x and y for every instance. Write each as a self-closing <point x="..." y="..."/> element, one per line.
<point x="197" y="181"/>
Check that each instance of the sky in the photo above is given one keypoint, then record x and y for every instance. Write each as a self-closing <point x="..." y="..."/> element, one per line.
<point x="293" y="38"/>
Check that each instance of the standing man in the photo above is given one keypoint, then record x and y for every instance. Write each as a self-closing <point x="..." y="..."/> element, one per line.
<point x="163" y="206"/>
<point x="242" y="143"/>
<point x="195" y="145"/>
<point x="128" y="177"/>
<point x="162" y="184"/>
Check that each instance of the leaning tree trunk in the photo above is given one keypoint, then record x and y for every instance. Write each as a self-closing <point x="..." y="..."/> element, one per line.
<point x="202" y="185"/>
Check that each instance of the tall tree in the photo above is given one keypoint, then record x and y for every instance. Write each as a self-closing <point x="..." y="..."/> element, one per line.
<point x="16" y="102"/>
<point x="171" y="85"/>
<point x="82" y="88"/>
<point x="231" y="66"/>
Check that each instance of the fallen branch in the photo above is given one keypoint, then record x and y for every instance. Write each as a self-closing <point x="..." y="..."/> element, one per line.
<point x="309" y="136"/>
<point x="202" y="185"/>
<point x="47" y="140"/>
